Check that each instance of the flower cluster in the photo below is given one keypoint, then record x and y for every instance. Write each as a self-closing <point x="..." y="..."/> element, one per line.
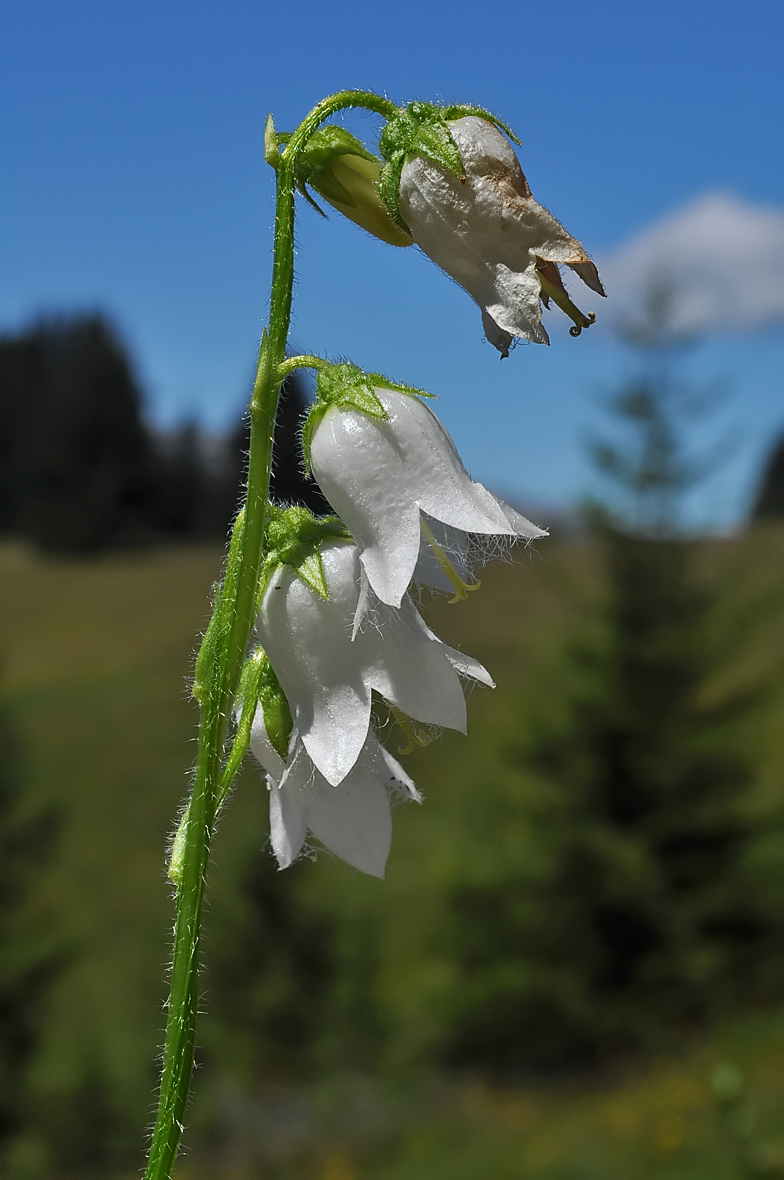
<point x="337" y="622"/>
<point x="341" y="635"/>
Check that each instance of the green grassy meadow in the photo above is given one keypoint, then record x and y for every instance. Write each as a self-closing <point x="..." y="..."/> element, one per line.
<point x="95" y="658"/>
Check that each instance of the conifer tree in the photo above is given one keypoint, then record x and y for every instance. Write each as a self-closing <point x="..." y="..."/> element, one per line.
<point x="78" y="461"/>
<point x="28" y="960"/>
<point x="769" y="501"/>
<point x="642" y="925"/>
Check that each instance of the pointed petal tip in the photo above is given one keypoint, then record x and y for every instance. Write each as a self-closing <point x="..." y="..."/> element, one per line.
<point x="468" y="666"/>
<point x="589" y="274"/>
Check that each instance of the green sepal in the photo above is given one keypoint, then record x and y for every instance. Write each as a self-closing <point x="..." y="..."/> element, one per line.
<point x="382" y="382"/>
<point x="461" y="111"/>
<point x="311" y="571"/>
<point x="389" y="189"/>
<point x="294" y="538"/>
<point x="314" y="204"/>
<point x="419" y="129"/>
<point x="348" y="387"/>
<point x="310" y="424"/>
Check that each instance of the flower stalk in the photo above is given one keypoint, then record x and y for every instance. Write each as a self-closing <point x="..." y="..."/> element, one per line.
<point x="223" y="650"/>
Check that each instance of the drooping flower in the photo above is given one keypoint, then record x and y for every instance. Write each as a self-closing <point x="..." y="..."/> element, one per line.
<point x="351" y="819"/>
<point x="328" y="670"/>
<point x="481" y="225"/>
<point x="383" y="459"/>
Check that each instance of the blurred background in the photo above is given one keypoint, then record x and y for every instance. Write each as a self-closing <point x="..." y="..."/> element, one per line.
<point x="575" y="967"/>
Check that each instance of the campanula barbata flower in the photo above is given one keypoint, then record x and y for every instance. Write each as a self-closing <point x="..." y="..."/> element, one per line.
<point x="485" y="230"/>
<point x="328" y="667"/>
<point x="351" y="819"/>
<point x="392" y="474"/>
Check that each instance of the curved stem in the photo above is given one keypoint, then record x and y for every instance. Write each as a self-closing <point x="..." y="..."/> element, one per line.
<point x="292" y="363"/>
<point x="223" y="652"/>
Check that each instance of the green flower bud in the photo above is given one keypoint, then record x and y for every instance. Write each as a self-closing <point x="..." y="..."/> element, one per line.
<point x="346" y="175"/>
<point x="274" y="706"/>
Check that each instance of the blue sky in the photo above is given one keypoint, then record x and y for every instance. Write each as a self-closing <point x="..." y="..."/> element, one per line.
<point x="134" y="181"/>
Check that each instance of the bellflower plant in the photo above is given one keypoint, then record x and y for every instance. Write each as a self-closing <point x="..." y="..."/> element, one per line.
<point x="314" y="634"/>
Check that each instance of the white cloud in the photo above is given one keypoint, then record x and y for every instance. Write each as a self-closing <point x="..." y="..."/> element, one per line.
<point x="722" y="257"/>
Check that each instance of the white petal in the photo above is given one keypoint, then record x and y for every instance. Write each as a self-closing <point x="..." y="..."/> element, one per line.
<point x="395" y="778"/>
<point x="468" y="666"/>
<point x="521" y="525"/>
<point x="361" y="469"/>
<point x="287" y="823"/>
<point x="412" y="669"/>
<point x="328" y="676"/>
<point x="589" y="275"/>
<point x="308" y="642"/>
<point x="353" y="819"/>
<point x="445" y="489"/>
<point x="513" y="301"/>
<point x="498" y="338"/>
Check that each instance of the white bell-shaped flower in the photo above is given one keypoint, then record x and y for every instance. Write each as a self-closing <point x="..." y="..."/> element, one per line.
<point x="381" y="474"/>
<point x="328" y="672"/>
<point x="490" y="235"/>
<point x="352" y="819"/>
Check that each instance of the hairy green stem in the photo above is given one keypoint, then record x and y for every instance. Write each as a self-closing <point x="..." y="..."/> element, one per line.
<point x="224" y="648"/>
<point x="293" y="363"/>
